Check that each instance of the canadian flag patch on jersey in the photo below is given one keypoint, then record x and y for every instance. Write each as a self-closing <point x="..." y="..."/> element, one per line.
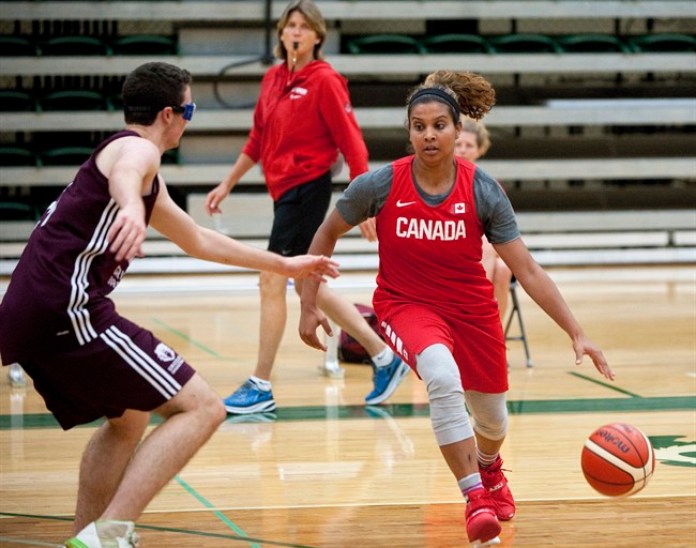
<point x="459" y="208"/>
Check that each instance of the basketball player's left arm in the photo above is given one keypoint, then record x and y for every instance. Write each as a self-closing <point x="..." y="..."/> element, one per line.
<point x="206" y="244"/>
<point x="539" y="286"/>
<point x="131" y="165"/>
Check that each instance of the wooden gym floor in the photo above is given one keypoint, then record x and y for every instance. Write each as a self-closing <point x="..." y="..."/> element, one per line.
<point x="325" y="471"/>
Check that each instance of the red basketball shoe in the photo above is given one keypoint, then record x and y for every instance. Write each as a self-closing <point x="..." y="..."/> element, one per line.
<point x="495" y="483"/>
<point x="482" y="525"/>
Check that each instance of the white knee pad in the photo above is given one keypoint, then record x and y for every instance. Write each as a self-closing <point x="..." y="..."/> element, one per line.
<point x="489" y="413"/>
<point x="450" y="420"/>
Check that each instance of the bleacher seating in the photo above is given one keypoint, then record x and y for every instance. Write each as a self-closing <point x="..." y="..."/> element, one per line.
<point x="592" y="42"/>
<point x="73" y="99"/>
<point x="65" y="156"/>
<point x="14" y="100"/>
<point x="590" y="99"/>
<point x="525" y="43"/>
<point x="145" y="44"/>
<point x="385" y="43"/>
<point x="661" y="42"/>
<point x="457" y="43"/>
<point x="17" y="46"/>
<point x="73" y="45"/>
<point x="17" y="211"/>
<point x="17" y="156"/>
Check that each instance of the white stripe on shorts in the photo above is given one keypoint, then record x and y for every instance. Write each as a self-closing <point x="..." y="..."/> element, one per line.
<point x="145" y="366"/>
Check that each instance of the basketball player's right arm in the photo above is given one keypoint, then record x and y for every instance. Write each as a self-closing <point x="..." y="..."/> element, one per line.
<point x="324" y="243"/>
<point x="212" y="202"/>
<point x="209" y="245"/>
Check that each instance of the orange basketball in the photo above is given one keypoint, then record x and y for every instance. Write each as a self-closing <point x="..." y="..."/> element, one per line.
<point x="617" y="460"/>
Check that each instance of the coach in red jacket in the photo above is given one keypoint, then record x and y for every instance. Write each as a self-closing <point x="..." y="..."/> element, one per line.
<point x="302" y="120"/>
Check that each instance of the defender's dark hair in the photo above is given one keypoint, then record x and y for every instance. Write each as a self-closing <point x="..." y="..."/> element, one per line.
<point x="150" y="88"/>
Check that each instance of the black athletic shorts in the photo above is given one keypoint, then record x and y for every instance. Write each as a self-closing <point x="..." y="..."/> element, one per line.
<point x="297" y="215"/>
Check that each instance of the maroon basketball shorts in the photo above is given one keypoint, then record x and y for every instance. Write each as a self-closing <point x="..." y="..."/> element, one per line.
<point x="126" y="367"/>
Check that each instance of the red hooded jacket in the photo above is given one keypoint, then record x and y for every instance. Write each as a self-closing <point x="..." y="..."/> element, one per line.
<point x="301" y="121"/>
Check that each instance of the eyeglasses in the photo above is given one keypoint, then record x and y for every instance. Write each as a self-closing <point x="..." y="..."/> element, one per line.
<point x="186" y="110"/>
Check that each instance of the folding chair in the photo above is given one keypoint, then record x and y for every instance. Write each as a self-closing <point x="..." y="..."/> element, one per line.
<point x="516" y="311"/>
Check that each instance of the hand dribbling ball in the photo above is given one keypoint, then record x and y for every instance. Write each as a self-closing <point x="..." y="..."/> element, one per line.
<point x="617" y="460"/>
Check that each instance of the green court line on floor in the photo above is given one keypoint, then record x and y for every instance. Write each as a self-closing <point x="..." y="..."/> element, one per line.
<point x="605" y="384"/>
<point x="187" y="338"/>
<point x="403" y="410"/>
<point x="167" y="530"/>
<point x="222" y="517"/>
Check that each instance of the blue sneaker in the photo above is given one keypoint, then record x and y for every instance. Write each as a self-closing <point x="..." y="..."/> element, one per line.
<point x="386" y="380"/>
<point x="249" y="398"/>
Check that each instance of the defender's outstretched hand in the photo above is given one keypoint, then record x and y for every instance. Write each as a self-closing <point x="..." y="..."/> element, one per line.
<point x="311" y="266"/>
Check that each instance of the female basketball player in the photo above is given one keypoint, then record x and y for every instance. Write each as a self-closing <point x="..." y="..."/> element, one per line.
<point x="434" y="305"/>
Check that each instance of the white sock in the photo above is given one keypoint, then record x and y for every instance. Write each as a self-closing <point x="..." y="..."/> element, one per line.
<point x="262" y="384"/>
<point x="470" y="483"/>
<point x="484" y="459"/>
<point x="384" y="358"/>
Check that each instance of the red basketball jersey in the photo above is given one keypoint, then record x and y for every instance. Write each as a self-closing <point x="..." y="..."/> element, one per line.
<point x="431" y="286"/>
<point x="433" y="254"/>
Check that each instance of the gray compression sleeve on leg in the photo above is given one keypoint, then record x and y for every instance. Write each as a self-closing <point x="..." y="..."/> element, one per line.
<point x="439" y="371"/>
<point x="489" y="414"/>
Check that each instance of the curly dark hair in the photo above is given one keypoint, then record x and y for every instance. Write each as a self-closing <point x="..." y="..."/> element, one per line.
<point x="472" y="92"/>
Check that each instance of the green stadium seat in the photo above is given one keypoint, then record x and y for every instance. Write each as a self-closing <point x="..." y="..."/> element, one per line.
<point x="74" y="45"/>
<point x="525" y="43"/>
<point x="457" y="43"/>
<point x="385" y="44"/>
<point x="145" y="44"/>
<point x="75" y="99"/>
<point x="16" y="46"/>
<point x="668" y="42"/>
<point x="16" y="156"/>
<point x="17" y="211"/>
<point x="66" y="156"/>
<point x="593" y="43"/>
<point x="16" y="101"/>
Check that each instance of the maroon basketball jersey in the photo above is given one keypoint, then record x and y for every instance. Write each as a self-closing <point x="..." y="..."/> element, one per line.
<point x="57" y="297"/>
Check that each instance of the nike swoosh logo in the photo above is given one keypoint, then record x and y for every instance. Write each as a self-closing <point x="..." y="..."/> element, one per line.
<point x="399" y="203"/>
